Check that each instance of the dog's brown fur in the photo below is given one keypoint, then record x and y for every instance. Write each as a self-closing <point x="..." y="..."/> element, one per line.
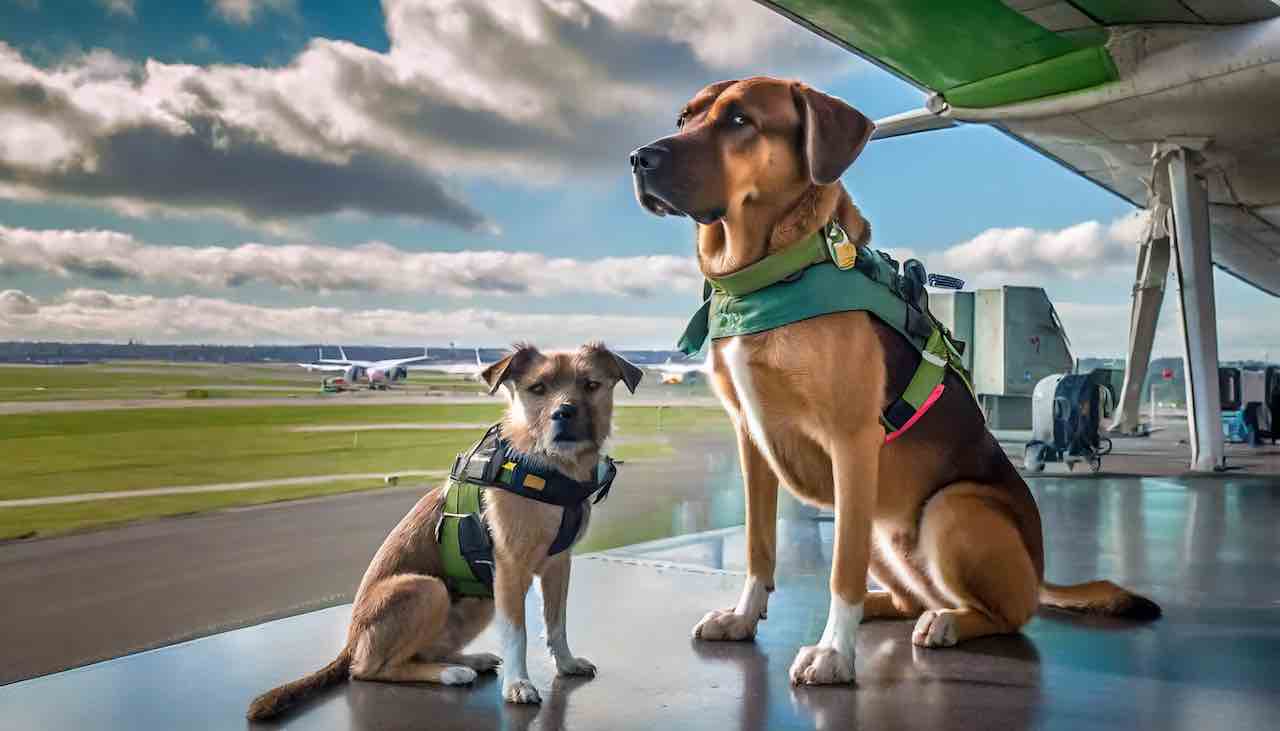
<point x="404" y="625"/>
<point x="939" y="517"/>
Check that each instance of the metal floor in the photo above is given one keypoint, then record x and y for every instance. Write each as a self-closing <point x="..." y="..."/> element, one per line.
<point x="1207" y="549"/>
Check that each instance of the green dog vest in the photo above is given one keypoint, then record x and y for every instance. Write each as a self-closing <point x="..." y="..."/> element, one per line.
<point x="466" y="550"/>
<point x="824" y="274"/>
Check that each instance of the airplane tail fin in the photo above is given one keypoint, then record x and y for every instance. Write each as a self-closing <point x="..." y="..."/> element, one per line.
<point x="1099" y="597"/>
<point x="278" y="700"/>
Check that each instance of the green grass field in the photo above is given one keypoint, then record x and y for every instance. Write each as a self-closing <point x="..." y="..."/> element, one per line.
<point x="67" y="453"/>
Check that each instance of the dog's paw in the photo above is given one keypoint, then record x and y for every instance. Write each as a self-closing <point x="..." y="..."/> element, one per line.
<point x="935" y="628"/>
<point x="818" y="665"/>
<point x="520" y="691"/>
<point x="457" y="675"/>
<point x="482" y="662"/>
<point x="576" y="666"/>
<point x="724" y="624"/>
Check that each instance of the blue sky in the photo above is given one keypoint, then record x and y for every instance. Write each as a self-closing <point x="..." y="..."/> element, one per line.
<point x="483" y="153"/>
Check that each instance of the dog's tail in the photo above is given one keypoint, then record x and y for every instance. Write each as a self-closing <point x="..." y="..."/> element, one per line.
<point x="1099" y="597"/>
<point x="278" y="700"/>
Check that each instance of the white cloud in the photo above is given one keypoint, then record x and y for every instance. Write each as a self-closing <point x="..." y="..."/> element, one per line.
<point x="245" y="12"/>
<point x="15" y="302"/>
<point x="375" y="266"/>
<point x="535" y="90"/>
<point x="1028" y="256"/>
<point x="127" y="8"/>
<point x="90" y="314"/>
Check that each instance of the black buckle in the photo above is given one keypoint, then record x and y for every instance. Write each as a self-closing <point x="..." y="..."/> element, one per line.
<point x="476" y="547"/>
<point x="611" y="472"/>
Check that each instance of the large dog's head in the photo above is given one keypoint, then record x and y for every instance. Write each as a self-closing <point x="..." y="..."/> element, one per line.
<point x="560" y="404"/>
<point x="754" y="142"/>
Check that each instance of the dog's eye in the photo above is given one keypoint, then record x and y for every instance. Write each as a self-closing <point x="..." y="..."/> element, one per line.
<point x="537" y="389"/>
<point x="592" y="385"/>
<point x="740" y="120"/>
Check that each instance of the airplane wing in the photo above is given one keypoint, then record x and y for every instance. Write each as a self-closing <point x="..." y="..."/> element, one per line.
<point x="1095" y="85"/>
<point x="326" y="367"/>
<point x="405" y="361"/>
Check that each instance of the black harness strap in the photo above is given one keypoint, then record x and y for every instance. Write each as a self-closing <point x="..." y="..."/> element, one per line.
<point x="492" y="463"/>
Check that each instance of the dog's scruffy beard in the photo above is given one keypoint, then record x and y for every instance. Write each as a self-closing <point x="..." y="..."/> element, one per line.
<point x="575" y="458"/>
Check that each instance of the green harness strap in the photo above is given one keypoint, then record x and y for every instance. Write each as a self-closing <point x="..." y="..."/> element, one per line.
<point x="461" y="499"/>
<point x="824" y="274"/>
<point x="775" y="268"/>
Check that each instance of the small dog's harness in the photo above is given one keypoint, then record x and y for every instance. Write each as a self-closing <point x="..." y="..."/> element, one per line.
<point x="828" y="273"/>
<point x="466" y="547"/>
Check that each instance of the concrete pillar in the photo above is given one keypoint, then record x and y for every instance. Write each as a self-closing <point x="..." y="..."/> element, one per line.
<point x="1190" y="203"/>
<point x="1144" y="313"/>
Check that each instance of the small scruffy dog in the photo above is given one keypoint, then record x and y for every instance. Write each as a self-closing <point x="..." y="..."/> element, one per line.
<point x="405" y="624"/>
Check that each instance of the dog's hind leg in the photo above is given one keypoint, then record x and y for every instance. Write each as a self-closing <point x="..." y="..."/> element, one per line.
<point x="468" y="617"/>
<point x="977" y="560"/>
<point x="393" y="622"/>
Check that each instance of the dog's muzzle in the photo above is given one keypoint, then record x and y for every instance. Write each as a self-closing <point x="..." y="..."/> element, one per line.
<point x="645" y="161"/>
<point x="651" y="169"/>
<point x="564" y="424"/>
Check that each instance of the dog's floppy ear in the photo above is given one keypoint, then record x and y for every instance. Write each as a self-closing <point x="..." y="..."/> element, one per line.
<point x="834" y="133"/>
<point x="624" y="369"/>
<point x="509" y="367"/>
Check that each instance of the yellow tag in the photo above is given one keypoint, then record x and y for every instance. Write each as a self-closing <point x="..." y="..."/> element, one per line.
<point x="509" y="466"/>
<point x="534" y="482"/>
<point x="845" y="254"/>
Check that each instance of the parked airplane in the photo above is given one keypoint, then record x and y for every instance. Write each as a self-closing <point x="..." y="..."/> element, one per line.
<point x="379" y="374"/>
<point x="1169" y="104"/>
<point x="670" y="373"/>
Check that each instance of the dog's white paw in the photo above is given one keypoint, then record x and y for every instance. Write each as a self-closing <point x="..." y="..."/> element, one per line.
<point x="725" y="624"/>
<point x="520" y="691"/>
<point x="935" y="628"/>
<point x="576" y="666"/>
<point x="818" y="665"/>
<point x="457" y="675"/>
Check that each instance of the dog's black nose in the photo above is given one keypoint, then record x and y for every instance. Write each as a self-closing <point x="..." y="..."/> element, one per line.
<point x="648" y="157"/>
<point x="564" y="412"/>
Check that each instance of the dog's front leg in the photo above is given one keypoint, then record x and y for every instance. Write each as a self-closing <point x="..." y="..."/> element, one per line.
<point x="855" y="463"/>
<point x="555" y="598"/>
<point x="510" y="586"/>
<point x="739" y="622"/>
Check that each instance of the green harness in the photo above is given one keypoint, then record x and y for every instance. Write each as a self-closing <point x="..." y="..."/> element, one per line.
<point x="823" y="274"/>
<point x="466" y="547"/>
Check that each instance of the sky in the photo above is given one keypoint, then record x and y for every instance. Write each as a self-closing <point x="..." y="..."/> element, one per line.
<point x="432" y="171"/>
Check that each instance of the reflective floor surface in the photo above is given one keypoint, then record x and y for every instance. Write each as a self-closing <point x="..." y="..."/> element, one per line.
<point x="1207" y="549"/>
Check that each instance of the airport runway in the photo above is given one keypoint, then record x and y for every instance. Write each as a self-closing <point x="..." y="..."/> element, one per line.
<point x="73" y="600"/>
<point x="68" y="601"/>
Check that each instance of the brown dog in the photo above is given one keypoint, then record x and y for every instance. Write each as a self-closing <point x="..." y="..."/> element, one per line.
<point x="940" y="517"/>
<point x="405" y="626"/>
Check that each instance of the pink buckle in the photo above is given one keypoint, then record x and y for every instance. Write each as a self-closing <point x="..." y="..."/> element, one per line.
<point x="928" y="404"/>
